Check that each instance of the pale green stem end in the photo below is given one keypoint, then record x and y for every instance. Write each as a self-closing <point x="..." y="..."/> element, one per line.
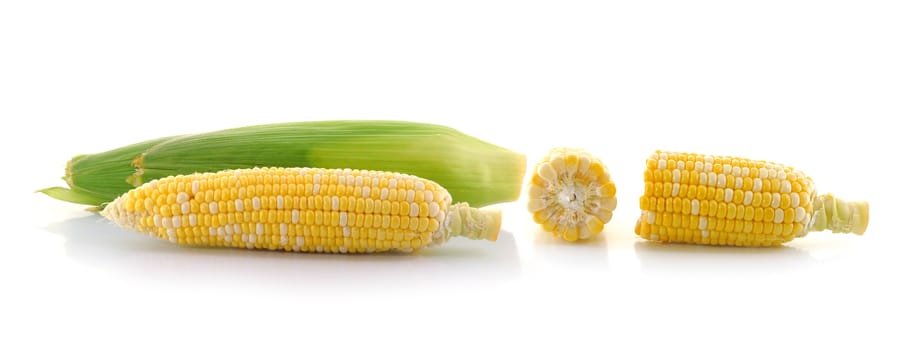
<point x="839" y="216"/>
<point x="466" y="221"/>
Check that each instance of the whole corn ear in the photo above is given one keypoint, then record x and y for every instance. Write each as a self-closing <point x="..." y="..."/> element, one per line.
<point x="301" y="209"/>
<point x="473" y="170"/>
<point x="571" y="194"/>
<point x="715" y="200"/>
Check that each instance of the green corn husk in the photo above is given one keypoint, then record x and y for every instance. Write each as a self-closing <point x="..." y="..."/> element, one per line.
<point x="95" y="179"/>
<point x="472" y="170"/>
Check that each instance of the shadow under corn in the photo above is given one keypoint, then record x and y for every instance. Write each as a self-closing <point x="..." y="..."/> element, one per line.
<point x="701" y="260"/>
<point x="94" y="242"/>
<point x="585" y="255"/>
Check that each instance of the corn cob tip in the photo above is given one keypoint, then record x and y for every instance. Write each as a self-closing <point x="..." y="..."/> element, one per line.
<point x="68" y="171"/>
<point x="491" y="231"/>
<point x="472" y="223"/>
<point x="839" y="216"/>
<point x="571" y="194"/>
<point x="862" y="217"/>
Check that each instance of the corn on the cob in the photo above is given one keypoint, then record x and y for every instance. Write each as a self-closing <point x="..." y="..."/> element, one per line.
<point x="473" y="170"/>
<point x="694" y="198"/>
<point x="571" y="194"/>
<point x="301" y="209"/>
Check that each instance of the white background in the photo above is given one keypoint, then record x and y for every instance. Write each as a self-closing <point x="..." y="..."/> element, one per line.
<point x="823" y="85"/>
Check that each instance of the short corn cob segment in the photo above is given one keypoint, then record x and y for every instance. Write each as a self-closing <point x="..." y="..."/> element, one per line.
<point x="301" y="209"/>
<point x="694" y="198"/>
<point x="571" y="194"/>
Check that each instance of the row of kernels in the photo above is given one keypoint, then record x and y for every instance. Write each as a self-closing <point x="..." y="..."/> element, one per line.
<point x="673" y="160"/>
<point x="718" y="223"/>
<point x="280" y="200"/>
<point x="725" y="165"/>
<point x="719" y="238"/>
<point x="392" y="183"/>
<point x="345" y="204"/>
<point x="667" y="190"/>
<point x="696" y="157"/>
<point x="259" y="190"/>
<point x="273" y="242"/>
<point x="283" y="230"/>
<point x="694" y="178"/>
<point x="308" y="244"/>
<point x="764" y="199"/>
<point x="759" y="200"/>
<point x="727" y="210"/>
<point x="307" y="217"/>
<point x="769" y="233"/>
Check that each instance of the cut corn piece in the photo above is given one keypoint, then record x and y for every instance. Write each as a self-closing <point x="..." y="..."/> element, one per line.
<point x="301" y="209"/>
<point x="715" y="200"/>
<point x="571" y="194"/>
<point x="473" y="170"/>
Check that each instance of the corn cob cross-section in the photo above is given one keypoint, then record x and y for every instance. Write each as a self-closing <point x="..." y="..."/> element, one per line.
<point x="301" y="209"/>
<point x="694" y="198"/>
<point x="571" y="194"/>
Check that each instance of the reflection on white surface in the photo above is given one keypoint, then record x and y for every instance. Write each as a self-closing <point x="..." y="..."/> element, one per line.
<point x="91" y="241"/>
<point x="679" y="259"/>
<point x="586" y="256"/>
